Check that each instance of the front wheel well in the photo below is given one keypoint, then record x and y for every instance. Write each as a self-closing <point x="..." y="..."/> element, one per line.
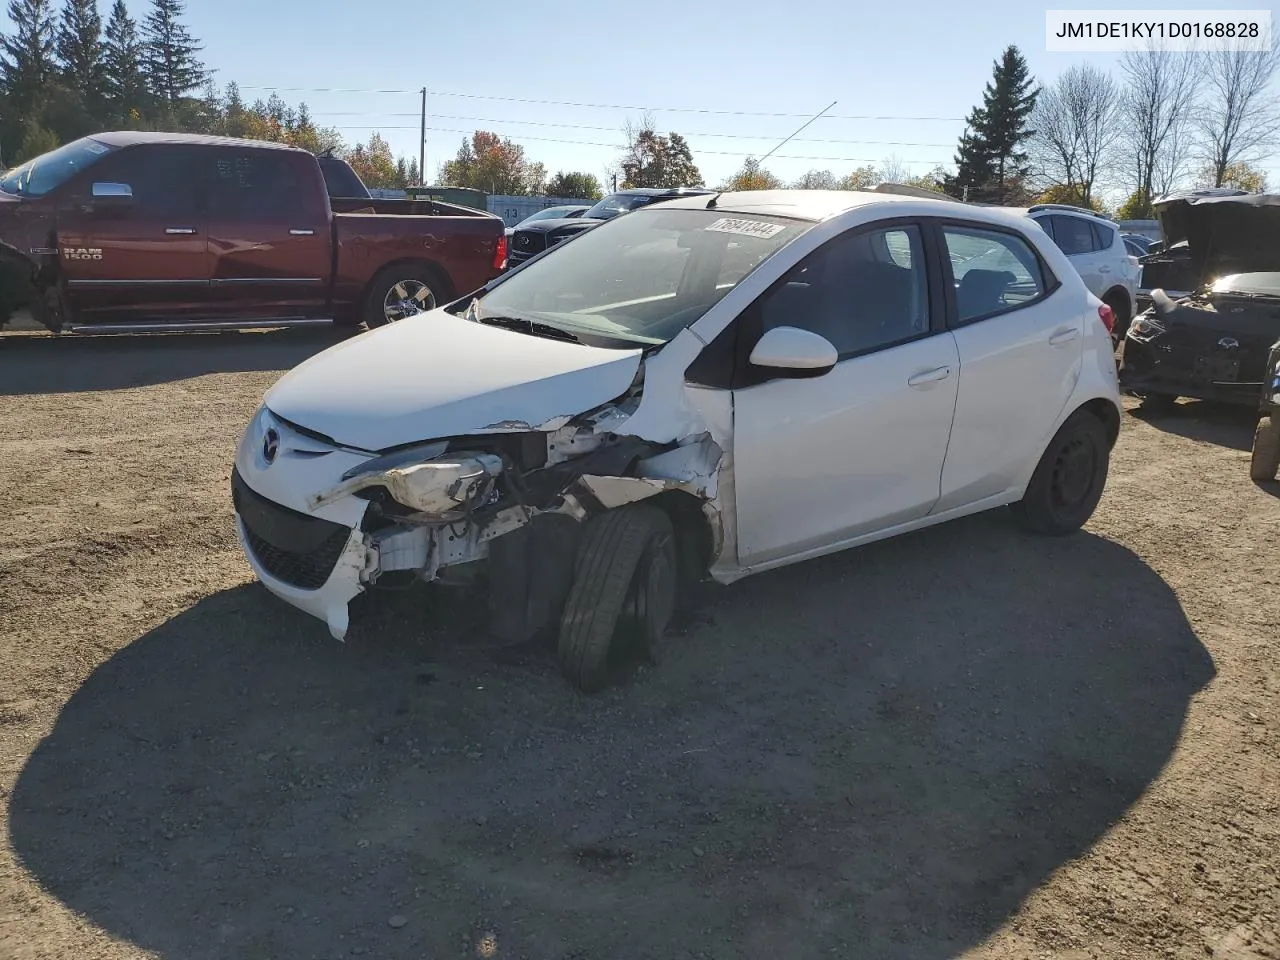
<point x="1105" y="411"/>
<point x="696" y="538"/>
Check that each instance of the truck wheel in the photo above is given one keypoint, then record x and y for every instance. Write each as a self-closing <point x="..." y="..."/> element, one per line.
<point x="624" y="588"/>
<point x="1068" y="481"/>
<point x="399" y="292"/>
<point x="1265" y="462"/>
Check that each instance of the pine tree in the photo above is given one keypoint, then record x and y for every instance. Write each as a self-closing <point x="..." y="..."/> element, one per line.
<point x="81" y="52"/>
<point x="26" y="57"/>
<point x="122" y="57"/>
<point x="989" y="161"/>
<point x="169" y="60"/>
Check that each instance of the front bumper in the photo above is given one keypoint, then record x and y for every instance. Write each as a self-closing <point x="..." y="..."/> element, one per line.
<point x="1146" y="368"/>
<point x="329" y="601"/>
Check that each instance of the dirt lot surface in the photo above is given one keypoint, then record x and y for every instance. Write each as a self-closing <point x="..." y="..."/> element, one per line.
<point x="961" y="743"/>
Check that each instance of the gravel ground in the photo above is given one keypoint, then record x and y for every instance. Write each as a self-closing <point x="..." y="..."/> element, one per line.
<point x="964" y="742"/>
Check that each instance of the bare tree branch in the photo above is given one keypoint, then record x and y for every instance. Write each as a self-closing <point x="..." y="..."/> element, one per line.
<point x="1238" y="119"/>
<point x="1160" y="96"/>
<point x="1077" y="125"/>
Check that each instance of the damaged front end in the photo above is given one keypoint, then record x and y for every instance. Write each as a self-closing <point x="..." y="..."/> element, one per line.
<point x="515" y="499"/>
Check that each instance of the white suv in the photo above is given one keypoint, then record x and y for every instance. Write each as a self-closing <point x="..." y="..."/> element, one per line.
<point x="1098" y="252"/>
<point x="714" y="385"/>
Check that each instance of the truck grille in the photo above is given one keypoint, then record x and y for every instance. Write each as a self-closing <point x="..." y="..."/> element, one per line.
<point x="299" y="549"/>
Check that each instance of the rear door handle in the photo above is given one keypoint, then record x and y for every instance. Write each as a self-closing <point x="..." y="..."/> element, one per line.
<point x="1104" y="269"/>
<point x="1064" y="336"/>
<point x="180" y="231"/>
<point x="301" y="233"/>
<point x="929" y="376"/>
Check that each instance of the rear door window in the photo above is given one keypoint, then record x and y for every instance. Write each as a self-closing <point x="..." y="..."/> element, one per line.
<point x="257" y="183"/>
<point x="1073" y="235"/>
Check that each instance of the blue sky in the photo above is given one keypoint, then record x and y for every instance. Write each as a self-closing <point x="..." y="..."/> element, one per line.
<point x="924" y="59"/>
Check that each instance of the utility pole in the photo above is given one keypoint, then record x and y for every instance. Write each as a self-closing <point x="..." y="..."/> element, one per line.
<point x="422" y="143"/>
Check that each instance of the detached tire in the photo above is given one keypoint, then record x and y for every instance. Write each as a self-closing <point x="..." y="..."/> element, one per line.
<point x="1265" y="462"/>
<point x="402" y="291"/>
<point x="1068" y="482"/>
<point x="624" y="589"/>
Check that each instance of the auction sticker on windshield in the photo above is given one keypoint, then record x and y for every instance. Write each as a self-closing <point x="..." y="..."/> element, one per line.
<point x="747" y="228"/>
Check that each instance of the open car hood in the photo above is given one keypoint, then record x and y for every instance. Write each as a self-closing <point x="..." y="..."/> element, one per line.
<point x="1226" y="231"/>
<point x="437" y="375"/>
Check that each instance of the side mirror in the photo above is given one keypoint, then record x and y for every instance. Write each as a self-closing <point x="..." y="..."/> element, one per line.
<point x="111" y="196"/>
<point x="794" y="352"/>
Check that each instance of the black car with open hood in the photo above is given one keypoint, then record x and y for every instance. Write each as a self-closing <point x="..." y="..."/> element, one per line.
<point x="1215" y="300"/>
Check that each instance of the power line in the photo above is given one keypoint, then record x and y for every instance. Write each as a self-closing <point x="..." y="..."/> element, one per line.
<point x="598" y="106"/>
<point x="584" y="126"/>
<point x="721" y="153"/>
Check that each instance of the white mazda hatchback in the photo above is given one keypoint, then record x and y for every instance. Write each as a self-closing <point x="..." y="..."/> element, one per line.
<point x="713" y="386"/>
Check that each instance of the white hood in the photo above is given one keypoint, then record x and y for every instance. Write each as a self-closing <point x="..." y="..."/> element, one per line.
<point x="438" y="375"/>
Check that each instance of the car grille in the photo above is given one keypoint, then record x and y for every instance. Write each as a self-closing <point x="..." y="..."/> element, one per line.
<point x="298" y="549"/>
<point x="525" y="244"/>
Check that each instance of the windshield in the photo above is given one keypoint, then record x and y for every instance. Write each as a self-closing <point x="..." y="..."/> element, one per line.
<point x="641" y="278"/>
<point x="1248" y="284"/>
<point x="37" y="177"/>
<point x="550" y="213"/>
<point x="617" y="203"/>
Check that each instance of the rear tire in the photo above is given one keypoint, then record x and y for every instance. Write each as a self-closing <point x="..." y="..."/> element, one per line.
<point x="398" y="292"/>
<point x="1068" y="482"/>
<point x="624" y="589"/>
<point x="1265" y="462"/>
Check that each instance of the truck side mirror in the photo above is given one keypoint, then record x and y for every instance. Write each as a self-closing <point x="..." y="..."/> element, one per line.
<point x="111" y="196"/>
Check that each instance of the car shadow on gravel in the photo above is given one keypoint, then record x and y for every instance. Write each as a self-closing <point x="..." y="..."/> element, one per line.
<point x="79" y="364"/>
<point x="880" y="754"/>
<point x="1222" y="424"/>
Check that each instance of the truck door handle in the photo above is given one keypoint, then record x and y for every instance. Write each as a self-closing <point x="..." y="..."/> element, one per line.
<point x="929" y="376"/>
<point x="302" y="233"/>
<point x="180" y="231"/>
<point x="1064" y="336"/>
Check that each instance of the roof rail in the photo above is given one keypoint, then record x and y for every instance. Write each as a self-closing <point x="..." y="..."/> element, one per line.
<point x="904" y="190"/>
<point x="1067" y="206"/>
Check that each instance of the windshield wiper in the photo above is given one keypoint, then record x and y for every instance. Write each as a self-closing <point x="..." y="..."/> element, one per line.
<point x="532" y="327"/>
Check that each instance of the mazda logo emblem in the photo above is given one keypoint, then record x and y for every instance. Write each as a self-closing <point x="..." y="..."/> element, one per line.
<point x="1229" y="343"/>
<point x="270" y="446"/>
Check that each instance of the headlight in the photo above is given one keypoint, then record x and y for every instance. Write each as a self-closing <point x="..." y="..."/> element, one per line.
<point x="1145" y="328"/>
<point x="448" y="488"/>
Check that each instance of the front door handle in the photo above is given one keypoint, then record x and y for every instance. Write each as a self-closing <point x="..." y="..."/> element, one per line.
<point x="301" y="233"/>
<point x="180" y="231"/>
<point x="929" y="376"/>
<point x="1064" y="336"/>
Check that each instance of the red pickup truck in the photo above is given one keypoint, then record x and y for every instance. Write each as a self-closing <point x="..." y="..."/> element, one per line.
<point x="157" y="231"/>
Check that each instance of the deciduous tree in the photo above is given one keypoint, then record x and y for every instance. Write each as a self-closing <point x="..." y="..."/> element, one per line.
<point x="1077" y="126"/>
<point x="653" y="160"/>
<point x="493" y="164"/>
<point x="1238" y="118"/>
<point x="752" y="176"/>
<point x="574" y="185"/>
